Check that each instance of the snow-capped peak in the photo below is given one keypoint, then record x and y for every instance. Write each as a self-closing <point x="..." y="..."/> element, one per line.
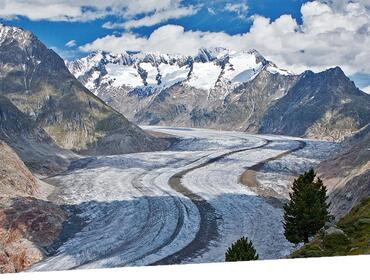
<point x="11" y="34"/>
<point x="156" y="70"/>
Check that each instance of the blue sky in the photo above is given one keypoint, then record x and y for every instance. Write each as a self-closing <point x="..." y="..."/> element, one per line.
<point x="210" y="17"/>
<point x="295" y="34"/>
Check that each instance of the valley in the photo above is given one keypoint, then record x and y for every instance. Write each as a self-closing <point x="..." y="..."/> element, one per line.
<point x="183" y="205"/>
<point x="140" y="158"/>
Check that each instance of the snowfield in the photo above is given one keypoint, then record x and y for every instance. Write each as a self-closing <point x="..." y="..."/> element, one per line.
<point x="184" y="205"/>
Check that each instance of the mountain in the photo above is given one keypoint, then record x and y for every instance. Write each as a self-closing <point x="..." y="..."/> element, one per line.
<point x="32" y="143"/>
<point x="36" y="80"/>
<point x="223" y="89"/>
<point x="347" y="175"/>
<point x="325" y="104"/>
<point x="27" y="221"/>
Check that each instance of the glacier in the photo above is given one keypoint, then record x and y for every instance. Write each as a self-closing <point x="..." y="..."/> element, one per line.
<point x="133" y="216"/>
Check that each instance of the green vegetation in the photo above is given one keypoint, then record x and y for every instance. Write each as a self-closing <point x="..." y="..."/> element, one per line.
<point x="241" y="250"/>
<point x="112" y="122"/>
<point x="354" y="241"/>
<point x="307" y="211"/>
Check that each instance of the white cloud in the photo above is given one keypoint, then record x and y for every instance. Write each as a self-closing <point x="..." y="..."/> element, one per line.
<point x="211" y="11"/>
<point x="340" y="4"/>
<point x="66" y="54"/>
<point x="165" y="39"/>
<point x="240" y="9"/>
<point x="81" y="10"/>
<point x="366" y="89"/>
<point x="155" y="18"/>
<point x="328" y="37"/>
<point x="71" y="44"/>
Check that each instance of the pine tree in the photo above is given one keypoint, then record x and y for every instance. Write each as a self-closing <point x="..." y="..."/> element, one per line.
<point x="307" y="211"/>
<point x="241" y="250"/>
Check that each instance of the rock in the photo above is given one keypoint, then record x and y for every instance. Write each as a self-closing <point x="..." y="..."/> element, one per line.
<point x="36" y="80"/>
<point x="27" y="221"/>
<point x="25" y="227"/>
<point x="349" y="196"/>
<point x="334" y="230"/>
<point x="329" y="224"/>
<point x="347" y="174"/>
<point x="362" y="221"/>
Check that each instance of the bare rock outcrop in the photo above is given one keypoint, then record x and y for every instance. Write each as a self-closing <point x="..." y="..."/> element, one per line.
<point x="27" y="221"/>
<point x="347" y="175"/>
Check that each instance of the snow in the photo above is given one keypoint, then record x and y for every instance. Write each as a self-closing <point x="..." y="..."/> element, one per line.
<point x="275" y="70"/>
<point x="91" y="83"/>
<point x="85" y="64"/>
<point x="133" y="216"/>
<point x="123" y="75"/>
<point x="366" y="89"/>
<point x="242" y="67"/>
<point x="22" y="37"/>
<point x="152" y="73"/>
<point x="203" y="70"/>
<point x="204" y="75"/>
<point x="172" y="74"/>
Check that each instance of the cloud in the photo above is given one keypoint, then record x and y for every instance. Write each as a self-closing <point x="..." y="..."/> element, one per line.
<point x="155" y="18"/>
<point x="366" y="89"/>
<point x="327" y="37"/>
<point x="81" y="10"/>
<point x="67" y="54"/>
<point x="212" y="11"/>
<point x="340" y="4"/>
<point x="240" y="9"/>
<point x="165" y="39"/>
<point x="71" y="44"/>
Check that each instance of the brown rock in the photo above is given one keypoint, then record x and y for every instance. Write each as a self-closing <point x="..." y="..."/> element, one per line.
<point x="27" y="222"/>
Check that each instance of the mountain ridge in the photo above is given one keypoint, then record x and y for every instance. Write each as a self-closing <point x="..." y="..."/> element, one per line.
<point x="36" y="80"/>
<point x="223" y="89"/>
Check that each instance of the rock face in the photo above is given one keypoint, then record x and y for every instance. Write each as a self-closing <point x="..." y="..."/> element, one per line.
<point x="326" y="105"/>
<point x="36" y="80"/>
<point x="223" y="89"/>
<point x="27" y="221"/>
<point x="31" y="142"/>
<point x="16" y="179"/>
<point x="347" y="175"/>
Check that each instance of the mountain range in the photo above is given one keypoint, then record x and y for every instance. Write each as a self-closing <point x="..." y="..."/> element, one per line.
<point x="53" y="112"/>
<point x="223" y="89"/>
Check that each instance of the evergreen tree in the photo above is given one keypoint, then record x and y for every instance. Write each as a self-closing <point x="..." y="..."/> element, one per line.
<point x="241" y="250"/>
<point x="307" y="211"/>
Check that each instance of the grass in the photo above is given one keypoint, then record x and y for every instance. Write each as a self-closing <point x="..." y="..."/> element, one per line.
<point x="356" y="241"/>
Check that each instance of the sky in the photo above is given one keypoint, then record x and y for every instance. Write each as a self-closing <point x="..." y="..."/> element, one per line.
<point x="295" y="34"/>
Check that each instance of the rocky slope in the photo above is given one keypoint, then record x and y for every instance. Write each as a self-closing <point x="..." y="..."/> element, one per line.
<point x="27" y="221"/>
<point x="224" y="89"/>
<point x="323" y="105"/>
<point x="36" y="80"/>
<point x="347" y="175"/>
<point x="31" y="142"/>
